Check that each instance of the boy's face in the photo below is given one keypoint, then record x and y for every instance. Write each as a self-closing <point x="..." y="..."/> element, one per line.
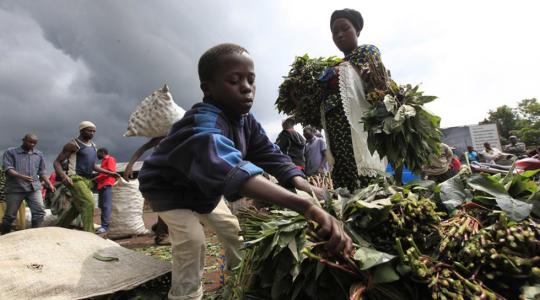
<point x="233" y="85"/>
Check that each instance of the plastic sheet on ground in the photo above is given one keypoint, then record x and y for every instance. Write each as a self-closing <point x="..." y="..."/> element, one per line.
<point x="58" y="263"/>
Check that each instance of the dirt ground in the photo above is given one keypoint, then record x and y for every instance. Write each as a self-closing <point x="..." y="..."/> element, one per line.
<point x="146" y="244"/>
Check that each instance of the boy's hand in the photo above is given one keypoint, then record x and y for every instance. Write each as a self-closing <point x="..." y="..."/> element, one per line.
<point x="302" y="184"/>
<point x="319" y="192"/>
<point x="331" y="230"/>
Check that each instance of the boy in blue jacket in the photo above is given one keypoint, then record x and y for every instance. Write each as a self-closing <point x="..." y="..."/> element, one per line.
<point x="219" y="149"/>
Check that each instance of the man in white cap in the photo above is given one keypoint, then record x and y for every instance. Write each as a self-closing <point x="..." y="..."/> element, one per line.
<point x="81" y="155"/>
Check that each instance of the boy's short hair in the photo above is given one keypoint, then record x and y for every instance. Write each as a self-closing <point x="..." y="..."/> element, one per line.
<point x="103" y="150"/>
<point x="209" y="60"/>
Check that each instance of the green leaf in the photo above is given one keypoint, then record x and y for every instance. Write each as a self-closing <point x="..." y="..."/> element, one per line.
<point x="320" y="268"/>
<point x="369" y="257"/>
<point x="384" y="273"/>
<point x="516" y="209"/>
<point x="530" y="173"/>
<point x="453" y="193"/>
<point x="105" y="258"/>
<point x="531" y="292"/>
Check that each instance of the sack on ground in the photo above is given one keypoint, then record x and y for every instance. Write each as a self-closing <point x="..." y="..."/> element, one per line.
<point x="155" y="115"/>
<point x="58" y="263"/>
<point x="127" y="210"/>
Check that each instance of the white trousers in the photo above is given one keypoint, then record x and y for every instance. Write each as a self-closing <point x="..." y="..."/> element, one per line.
<point x="188" y="246"/>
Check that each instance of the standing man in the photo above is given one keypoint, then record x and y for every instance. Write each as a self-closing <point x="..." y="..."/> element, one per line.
<point x="439" y="168"/>
<point x="24" y="167"/>
<point x="81" y="156"/>
<point x="517" y="148"/>
<point x="314" y="153"/>
<point x="104" y="186"/>
<point x="292" y="143"/>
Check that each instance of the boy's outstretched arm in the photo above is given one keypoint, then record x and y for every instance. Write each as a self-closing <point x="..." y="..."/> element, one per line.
<point x="260" y="188"/>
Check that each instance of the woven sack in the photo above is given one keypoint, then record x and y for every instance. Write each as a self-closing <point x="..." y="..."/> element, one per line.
<point x="127" y="210"/>
<point x="155" y="115"/>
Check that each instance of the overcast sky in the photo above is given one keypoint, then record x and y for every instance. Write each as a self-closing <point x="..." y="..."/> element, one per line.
<point x="62" y="62"/>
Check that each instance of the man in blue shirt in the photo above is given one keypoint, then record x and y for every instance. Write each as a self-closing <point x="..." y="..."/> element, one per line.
<point x="472" y="154"/>
<point x="24" y="167"/>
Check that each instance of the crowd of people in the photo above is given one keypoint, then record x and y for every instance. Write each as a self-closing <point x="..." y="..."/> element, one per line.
<point x="74" y="168"/>
<point x="448" y="163"/>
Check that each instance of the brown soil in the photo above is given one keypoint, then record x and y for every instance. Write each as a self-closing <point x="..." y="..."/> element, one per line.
<point x="212" y="272"/>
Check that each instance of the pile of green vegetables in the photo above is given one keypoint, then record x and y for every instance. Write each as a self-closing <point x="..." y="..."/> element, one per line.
<point x="471" y="237"/>
<point x="396" y="117"/>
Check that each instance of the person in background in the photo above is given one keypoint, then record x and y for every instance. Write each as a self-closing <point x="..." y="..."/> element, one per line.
<point x="292" y="143"/>
<point x="81" y="155"/>
<point x="515" y="147"/>
<point x="490" y="154"/>
<point x="439" y="168"/>
<point x="472" y="154"/>
<point x="24" y="167"/>
<point x="105" y="183"/>
<point x="314" y="153"/>
<point x="455" y="165"/>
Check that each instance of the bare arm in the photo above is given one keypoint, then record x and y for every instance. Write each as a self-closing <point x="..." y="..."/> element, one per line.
<point x="259" y="188"/>
<point x="13" y="173"/>
<point x="48" y="184"/>
<point x="65" y="154"/>
<point x="105" y="171"/>
<point x="128" y="173"/>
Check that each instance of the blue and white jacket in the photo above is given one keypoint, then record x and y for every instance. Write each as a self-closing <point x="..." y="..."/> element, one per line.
<point x="208" y="154"/>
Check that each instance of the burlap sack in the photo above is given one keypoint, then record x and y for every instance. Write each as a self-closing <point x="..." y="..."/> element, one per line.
<point x="58" y="263"/>
<point x="155" y="115"/>
<point x="127" y="210"/>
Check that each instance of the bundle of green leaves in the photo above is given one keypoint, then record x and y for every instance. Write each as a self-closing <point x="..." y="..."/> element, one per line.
<point x="456" y="240"/>
<point x="301" y="93"/>
<point x="397" y="117"/>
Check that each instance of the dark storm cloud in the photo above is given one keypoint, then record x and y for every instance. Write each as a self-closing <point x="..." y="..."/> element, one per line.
<point x="68" y="61"/>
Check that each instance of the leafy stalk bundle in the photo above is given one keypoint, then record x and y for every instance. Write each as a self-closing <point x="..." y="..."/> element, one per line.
<point x="397" y="116"/>
<point x="301" y="94"/>
<point x="322" y="181"/>
<point x="485" y="246"/>
<point x="401" y="214"/>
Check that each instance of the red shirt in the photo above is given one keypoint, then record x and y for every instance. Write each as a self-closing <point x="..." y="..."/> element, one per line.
<point x="456" y="164"/>
<point x="109" y="163"/>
